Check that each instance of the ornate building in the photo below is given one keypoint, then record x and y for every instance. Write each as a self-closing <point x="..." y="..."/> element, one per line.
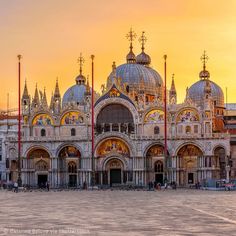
<point x="129" y="130"/>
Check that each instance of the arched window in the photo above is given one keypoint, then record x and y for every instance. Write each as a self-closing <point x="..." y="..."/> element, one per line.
<point x="73" y="132"/>
<point x="43" y="132"/>
<point x="158" y="167"/>
<point x="156" y="130"/>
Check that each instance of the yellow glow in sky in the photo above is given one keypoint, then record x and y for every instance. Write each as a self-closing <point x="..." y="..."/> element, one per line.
<point x="51" y="34"/>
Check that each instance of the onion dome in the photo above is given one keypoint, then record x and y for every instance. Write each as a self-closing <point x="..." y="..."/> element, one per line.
<point x="143" y="58"/>
<point x="197" y="91"/>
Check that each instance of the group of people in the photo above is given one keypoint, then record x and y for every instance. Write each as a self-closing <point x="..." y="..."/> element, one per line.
<point x="152" y="185"/>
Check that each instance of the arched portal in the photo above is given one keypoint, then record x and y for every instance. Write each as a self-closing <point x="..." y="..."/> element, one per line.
<point x="115" y="117"/>
<point x="219" y="160"/>
<point x="114" y="168"/>
<point x="188" y="156"/>
<point x="38" y="159"/>
<point x="112" y="156"/>
<point x="155" y="164"/>
<point x="69" y="163"/>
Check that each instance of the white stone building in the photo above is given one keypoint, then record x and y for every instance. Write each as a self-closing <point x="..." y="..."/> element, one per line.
<point x="129" y="131"/>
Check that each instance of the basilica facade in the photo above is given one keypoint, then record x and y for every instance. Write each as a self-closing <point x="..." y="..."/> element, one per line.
<point x="129" y="131"/>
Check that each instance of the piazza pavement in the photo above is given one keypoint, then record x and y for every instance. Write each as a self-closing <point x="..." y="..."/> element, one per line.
<point x="111" y="213"/>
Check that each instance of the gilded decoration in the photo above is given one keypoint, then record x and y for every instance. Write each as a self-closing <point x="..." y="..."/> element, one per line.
<point x="41" y="166"/>
<point x="69" y="151"/>
<point x="43" y="120"/>
<point x="155" y="151"/>
<point x="38" y="153"/>
<point x="114" y="92"/>
<point x="189" y="150"/>
<point x="154" y="116"/>
<point x="113" y="145"/>
<point x="72" y="118"/>
<point x="187" y="115"/>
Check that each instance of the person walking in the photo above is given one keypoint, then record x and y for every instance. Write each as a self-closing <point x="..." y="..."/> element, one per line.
<point x="48" y="187"/>
<point x="16" y="187"/>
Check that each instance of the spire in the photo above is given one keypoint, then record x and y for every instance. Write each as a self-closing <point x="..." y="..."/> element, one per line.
<point x="172" y="88"/>
<point x="131" y="56"/>
<point x="36" y="97"/>
<point x="80" y="79"/>
<point x="172" y="92"/>
<point x="87" y="86"/>
<point x="204" y="74"/>
<point x="52" y="101"/>
<point x="25" y="92"/>
<point x="44" y="100"/>
<point x="57" y="91"/>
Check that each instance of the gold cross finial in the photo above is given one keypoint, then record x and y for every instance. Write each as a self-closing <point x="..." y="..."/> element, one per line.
<point x="204" y="58"/>
<point x="143" y="40"/>
<point x="80" y="62"/>
<point x="131" y="36"/>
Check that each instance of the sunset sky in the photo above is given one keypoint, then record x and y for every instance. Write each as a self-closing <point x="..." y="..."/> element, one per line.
<point x="51" y="34"/>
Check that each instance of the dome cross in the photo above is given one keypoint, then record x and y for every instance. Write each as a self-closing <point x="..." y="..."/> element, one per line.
<point x="80" y="62"/>
<point x="204" y="58"/>
<point x="131" y="36"/>
<point x="143" y="40"/>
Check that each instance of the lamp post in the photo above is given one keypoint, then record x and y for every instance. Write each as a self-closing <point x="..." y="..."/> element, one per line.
<point x="19" y="121"/>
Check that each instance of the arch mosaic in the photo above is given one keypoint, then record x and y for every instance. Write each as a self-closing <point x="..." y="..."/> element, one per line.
<point x="42" y="119"/>
<point x="187" y="115"/>
<point x="154" y="116"/>
<point x="72" y="118"/>
<point x="69" y="151"/>
<point x="112" y="145"/>
<point x="189" y="150"/>
<point x="38" y="152"/>
<point x="155" y="150"/>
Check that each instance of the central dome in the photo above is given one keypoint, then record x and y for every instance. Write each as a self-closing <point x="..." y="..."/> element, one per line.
<point x="135" y="74"/>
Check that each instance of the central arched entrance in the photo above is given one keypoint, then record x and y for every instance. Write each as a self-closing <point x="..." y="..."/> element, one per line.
<point x="115" y="168"/>
<point x="112" y="158"/>
<point x="188" y="156"/>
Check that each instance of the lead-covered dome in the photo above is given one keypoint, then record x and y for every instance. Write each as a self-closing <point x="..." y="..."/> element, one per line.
<point x="134" y="75"/>
<point x="196" y="92"/>
<point x="74" y="94"/>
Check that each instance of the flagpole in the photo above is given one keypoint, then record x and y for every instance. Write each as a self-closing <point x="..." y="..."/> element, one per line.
<point x="19" y="121"/>
<point x="92" y="120"/>
<point x="165" y="114"/>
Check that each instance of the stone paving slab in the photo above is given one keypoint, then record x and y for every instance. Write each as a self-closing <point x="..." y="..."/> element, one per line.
<point x="114" y="213"/>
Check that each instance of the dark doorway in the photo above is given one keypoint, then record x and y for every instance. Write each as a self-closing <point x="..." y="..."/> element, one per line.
<point x="115" y="176"/>
<point x="42" y="180"/>
<point x="159" y="178"/>
<point x="190" y="178"/>
<point x="72" y="180"/>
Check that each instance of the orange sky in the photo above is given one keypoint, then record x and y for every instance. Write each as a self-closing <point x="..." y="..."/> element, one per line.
<point x="51" y="34"/>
